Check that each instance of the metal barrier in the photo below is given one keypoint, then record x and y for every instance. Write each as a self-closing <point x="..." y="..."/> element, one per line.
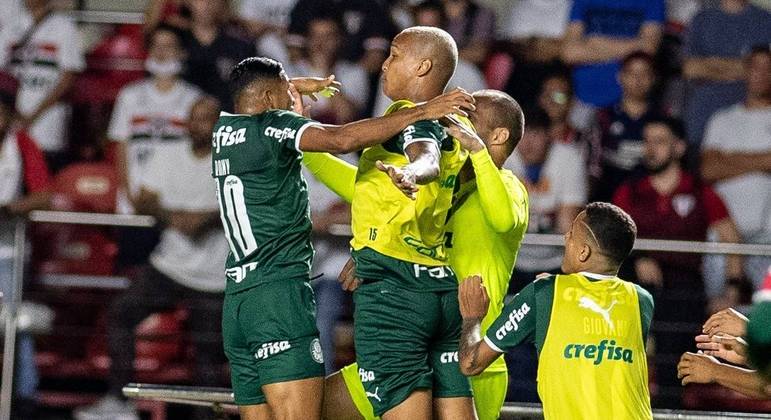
<point x="341" y="230"/>
<point x="220" y="398"/>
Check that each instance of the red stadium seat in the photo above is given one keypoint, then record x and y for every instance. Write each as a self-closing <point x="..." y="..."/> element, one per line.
<point x="72" y="249"/>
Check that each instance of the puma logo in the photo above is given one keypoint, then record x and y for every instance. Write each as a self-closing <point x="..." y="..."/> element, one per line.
<point x="588" y="303"/>
<point x="374" y="394"/>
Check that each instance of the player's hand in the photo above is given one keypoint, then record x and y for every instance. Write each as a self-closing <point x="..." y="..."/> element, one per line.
<point x="649" y="272"/>
<point x="467" y="138"/>
<point x="347" y="277"/>
<point x="310" y="86"/>
<point x="473" y="298"/>
<point x="731" y="349"/>
<point x="726" y="322"/>
<point x="297" y="102"/>
<point x="403" y="178"/>
<point x="697" y="368"/>
<point x="456" y="101"/>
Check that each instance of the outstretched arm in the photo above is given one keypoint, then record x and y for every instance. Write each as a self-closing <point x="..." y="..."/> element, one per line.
<point x="702" y="369"/>
<point x="337" y="174"/>
<point x="369" y="132"/>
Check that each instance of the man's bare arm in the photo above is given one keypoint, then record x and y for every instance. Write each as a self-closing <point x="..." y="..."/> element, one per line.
<point x="582" y="49"/>
<point x="340" y="139"/>
<point x="474" y="354"/>
<point x="717" y="165"/>
<point x="713" y="68"/>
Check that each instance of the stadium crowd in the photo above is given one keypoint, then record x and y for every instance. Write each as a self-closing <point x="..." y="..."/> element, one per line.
<point x="661" y="107"/>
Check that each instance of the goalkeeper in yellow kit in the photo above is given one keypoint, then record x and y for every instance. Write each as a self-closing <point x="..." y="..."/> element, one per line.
<point x="485" y="229"/>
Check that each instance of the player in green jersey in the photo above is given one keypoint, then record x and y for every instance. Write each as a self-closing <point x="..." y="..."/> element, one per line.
<point x="485" y="230"/>
<point x="268" y="324"/>
<point x="588" y="326"/>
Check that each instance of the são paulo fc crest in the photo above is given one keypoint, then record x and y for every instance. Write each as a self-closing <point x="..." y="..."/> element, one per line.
<point x="683" y="204"/>
<point x="316" y="353"/>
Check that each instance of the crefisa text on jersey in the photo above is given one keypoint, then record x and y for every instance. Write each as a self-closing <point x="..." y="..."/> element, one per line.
<point x="226" y="136"/>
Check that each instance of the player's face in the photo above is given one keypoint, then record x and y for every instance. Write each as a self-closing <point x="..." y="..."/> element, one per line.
<point x="398" y="69"/>
<point x="482" y="124"/>
<point x="283" y="97"/>
<point x="575" y="242"/>
<point x="636" y="78"/>
<point x="659" y="150"/>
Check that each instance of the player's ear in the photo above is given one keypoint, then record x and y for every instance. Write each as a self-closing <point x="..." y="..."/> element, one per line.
<point x="499" y="136"/>
<point x="269" y="99"/>
<point x="424" y="67"/>
<point x="585" y="253"/>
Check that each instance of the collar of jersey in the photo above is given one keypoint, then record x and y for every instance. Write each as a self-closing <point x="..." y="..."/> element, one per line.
<point x="596" y="276"/>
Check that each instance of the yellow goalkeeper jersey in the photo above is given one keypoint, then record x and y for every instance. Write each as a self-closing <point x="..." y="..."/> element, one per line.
<point x="384" y="219"/>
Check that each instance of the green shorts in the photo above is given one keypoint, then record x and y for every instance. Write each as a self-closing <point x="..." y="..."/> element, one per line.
<point x="489" y="393"/>
<point x="407" y="340"/>
<point x="269" y="334"/>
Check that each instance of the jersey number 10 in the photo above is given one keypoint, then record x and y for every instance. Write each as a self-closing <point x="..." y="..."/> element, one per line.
<point x="235" y="219"/>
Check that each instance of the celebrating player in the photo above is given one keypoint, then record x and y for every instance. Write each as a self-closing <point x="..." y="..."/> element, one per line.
<point x="588" y="326"/>
<point x="486" y="227"/>
<point x="268" y="324"/>
<point x="406" y="318"/>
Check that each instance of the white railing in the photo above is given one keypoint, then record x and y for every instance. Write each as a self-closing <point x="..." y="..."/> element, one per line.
<point x="222" y="398"/>
<point x="341" y="230"/>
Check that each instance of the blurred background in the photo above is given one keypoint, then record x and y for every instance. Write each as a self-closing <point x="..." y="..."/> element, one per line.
<point x="662" y="107"/>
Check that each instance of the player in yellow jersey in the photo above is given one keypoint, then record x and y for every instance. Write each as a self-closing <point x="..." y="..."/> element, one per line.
<point x="406" y="311"/>
<point x="485" y="230"/>
<point x="588" y="326"/>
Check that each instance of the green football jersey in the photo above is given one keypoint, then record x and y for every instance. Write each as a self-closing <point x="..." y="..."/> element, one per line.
<point x="263" y="197"/>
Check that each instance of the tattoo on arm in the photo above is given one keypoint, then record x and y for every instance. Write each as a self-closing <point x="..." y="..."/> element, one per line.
<point x="470" y="339"/>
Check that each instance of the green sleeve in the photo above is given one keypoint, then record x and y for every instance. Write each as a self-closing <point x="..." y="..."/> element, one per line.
<point x="503" y="208"/>
<point x="286" y="127"/>
<point x="646" y="310"/>
<point x="337" y="174"/>
<point x="425" y="130"/>
<point x="516" y="324"/>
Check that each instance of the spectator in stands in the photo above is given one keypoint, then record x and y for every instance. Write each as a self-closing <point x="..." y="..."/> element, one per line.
<point x="332" y="252"/>
<point x="600" y="34"/>
<point x="737" y="158"/>
<point x="173" y="13"/>
<point x="186" y="266"/>
<point x="715" y="44"/>
<point x="473" y="28"/>
<point x="556" y="99"/>
<point x="322" y="58"/>
<point x="149" y="115"/>
<point x="45" y="54"/>
<point x="669" y="203"/>
<point x="554" y="175"/>
<point x="25" y="187"/>
<point x="615" y="139"/>
<point x="367" y="26"/>
<point x="267" y="21"/>
<point x="211" y="49"/>
<point x="536" y="30"/>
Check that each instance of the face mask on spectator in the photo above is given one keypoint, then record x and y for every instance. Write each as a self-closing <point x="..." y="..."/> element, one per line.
<point x="163" y="68"/>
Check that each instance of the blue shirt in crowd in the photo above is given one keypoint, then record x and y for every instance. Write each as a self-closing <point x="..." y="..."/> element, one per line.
<point x="596" y="83"/>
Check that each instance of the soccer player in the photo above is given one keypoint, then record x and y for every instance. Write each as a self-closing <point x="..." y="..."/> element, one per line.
<point x="406" y="319"/>
<point x="268" y="325"/>
<point x="486" y="227"/>
<point x="588" y="326"/>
